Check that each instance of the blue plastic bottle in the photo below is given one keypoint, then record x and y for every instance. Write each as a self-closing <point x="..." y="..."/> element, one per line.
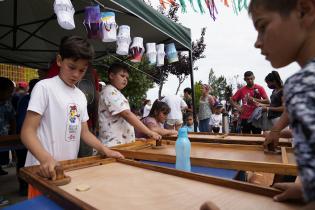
<point x="182" y="148"/>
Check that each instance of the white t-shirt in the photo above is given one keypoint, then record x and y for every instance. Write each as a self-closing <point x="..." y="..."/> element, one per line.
<point x="146" y="110"/>
<point x="114" y="129"/>
<point x="177" y="104"/>
<point x="216" y="121"/>
<point x="63" y="109"/>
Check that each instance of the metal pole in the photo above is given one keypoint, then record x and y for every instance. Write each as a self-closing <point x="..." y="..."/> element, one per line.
<point x="14" y="24"/>
<point x="192" y="84"/>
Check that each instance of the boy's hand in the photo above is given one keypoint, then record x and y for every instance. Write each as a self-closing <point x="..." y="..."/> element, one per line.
<point x="292" y="191"/>
<point x="272" y="139"/>
<point x="113" y="154"/>
<point x="47" y="168"/>
<point x="155" y="136"/>
<point x="173" y="132"/>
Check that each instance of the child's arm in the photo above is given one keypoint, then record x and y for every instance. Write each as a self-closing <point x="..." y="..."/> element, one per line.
<point x="162" y="131"/>
<point x="274" y="135"/>
<point x="291" y="191"/>
<point x="32" y="143"/>
<point x="92" y="141"/>
<point x="135" y="122"/>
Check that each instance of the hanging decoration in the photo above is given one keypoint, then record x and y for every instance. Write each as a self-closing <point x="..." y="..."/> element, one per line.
<point x="171" y="53"/>
<point x="123" y="40"/>
<point x="183" y="5"/>
<point x="192" y="5"/>
<point x="109" y="27"/>
<point x="172" y="2"/>
<point x="212" y="9"/>
<point x="151" y="53"/>
<point x="226" y="3"/>
<point x="200" y="7"/>
<point x="137" y="49"/>
<point x="93" y="22"/>
<point x="160" y="55"/>
<point x="64" y="12"/>
<point x="237" y="5"/>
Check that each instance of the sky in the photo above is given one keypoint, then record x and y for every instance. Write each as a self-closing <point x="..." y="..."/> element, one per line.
<point x="229" y="52"/>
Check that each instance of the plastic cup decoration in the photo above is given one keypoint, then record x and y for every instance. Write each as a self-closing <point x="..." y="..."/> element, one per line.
<point x="160" y="55"/>
<point x="151" y="53"/>
<point x="64" y="11"/>
<point x="137" y="49"/>
<point x="93" y="22"/>
<point x="123" y="40"/>
<point x="171" y="53"/>
<point x="109" y="26"/>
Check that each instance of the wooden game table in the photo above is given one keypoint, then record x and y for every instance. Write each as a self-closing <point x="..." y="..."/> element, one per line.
<point x="127" y="184"/>
<point x="231" y="138"/>
<point x="228" y="156"/>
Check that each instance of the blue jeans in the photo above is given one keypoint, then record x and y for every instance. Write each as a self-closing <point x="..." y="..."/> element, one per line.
<point x="204" y="125"/>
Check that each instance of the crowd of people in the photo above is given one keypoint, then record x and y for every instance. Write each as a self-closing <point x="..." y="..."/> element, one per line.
<point x="285" y="34"/>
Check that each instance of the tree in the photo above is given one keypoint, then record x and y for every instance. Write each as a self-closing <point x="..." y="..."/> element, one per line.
<point x="198" y="48"/>
<point x="220" y="88"/>
<point x="139" y="82"/>
<point x="198" y="87"/>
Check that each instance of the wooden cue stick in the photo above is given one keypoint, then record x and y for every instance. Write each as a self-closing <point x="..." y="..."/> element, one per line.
<point x="284" y="155"/>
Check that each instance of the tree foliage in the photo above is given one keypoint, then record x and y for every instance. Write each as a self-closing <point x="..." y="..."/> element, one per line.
<point x="180" y="69"/>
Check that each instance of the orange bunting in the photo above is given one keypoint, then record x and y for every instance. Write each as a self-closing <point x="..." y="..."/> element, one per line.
<point x="226" y="3"/>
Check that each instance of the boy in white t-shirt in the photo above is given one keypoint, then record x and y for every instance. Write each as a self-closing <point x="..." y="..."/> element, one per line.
<point x="57" y="113"/>
<point x="116" y="121"/>
<point x="175" y="117"/>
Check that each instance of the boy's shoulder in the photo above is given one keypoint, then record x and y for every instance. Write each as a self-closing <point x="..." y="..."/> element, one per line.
<point x="110" y="89"/>
<point x="304" y="76"/>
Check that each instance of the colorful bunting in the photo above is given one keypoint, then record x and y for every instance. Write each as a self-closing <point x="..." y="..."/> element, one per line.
<point x="200" y="7"/>
<point x="183" y="5"/>
<point x="162" y="2"/>
<point x="212" y="8"/>
<point x="237" y="5"/>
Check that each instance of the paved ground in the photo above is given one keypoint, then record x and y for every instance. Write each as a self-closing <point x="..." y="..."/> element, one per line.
<point x="9" y="187"/>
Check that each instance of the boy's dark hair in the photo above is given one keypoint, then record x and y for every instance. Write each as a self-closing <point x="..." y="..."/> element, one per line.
<point x="117" y="67"/>
<point x="188" y="90"/>
<point x="76" y="47"/>
<point x="6" y="85"/>
<point x="274" y="77"/>
<point x="157" y="107"/>
<point x="284" y="7"/>
<point x="32" y="84"/>
<point x="248" y="74"/>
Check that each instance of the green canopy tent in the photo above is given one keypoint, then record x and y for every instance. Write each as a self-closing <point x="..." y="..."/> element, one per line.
<point x="30" y="34"/>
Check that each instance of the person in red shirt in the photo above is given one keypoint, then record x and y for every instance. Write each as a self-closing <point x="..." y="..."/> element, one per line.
<point x="250" y="95"/>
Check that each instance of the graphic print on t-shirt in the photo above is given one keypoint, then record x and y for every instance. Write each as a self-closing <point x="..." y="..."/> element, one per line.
<point x="72" y="122"/>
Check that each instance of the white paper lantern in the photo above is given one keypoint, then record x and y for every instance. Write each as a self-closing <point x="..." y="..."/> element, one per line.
<point x="92" y="22"/>
<point x="64" y="12"/>
<point x="109" y="27"/>
<point x="171" y="53"/>
<point x="160" y="54"/>
<point x="151" y="53"/>
<point x="137" y="49"/>
<point x="123" y="40"/>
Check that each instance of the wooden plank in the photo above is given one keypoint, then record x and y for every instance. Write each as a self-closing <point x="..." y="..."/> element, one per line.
<point x="250" y="139"/>
<point x="229" y="156"/>
<point x="284" y="155"/>
<point x="125" y="184"/>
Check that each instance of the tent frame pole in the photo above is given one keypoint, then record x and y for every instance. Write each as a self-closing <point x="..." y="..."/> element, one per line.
<point x="192" y="84"/>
